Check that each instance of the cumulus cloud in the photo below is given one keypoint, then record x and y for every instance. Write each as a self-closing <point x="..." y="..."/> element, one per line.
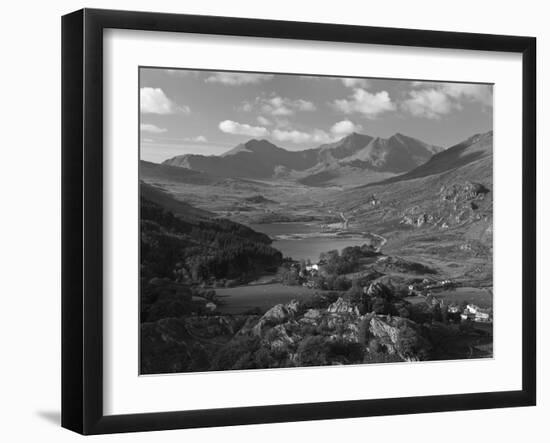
<point x="181" y="73"/>
<point x="343" y="128"/>
<point x="153" y="129"/>
<point x="155" y="101"/>
<point x="428" y="103"/>
<point x="263" y="121"/>
<point x="277" y="106"/>
<point x="369" y="104"/>
<point x="315" y="136"/>
<point x="295" y="136"/>
<point x="282" y="123"/>
<point x="433" y="100"/>
<point x="231" y="127"/>
<point x="197" y="139"/>
<point x="303" y="105"/>
<point x="281" y="106"/>
<point x="469" y="91"/>
<point x="246" y="106"/>
<point x="237" y="79"/>
<point x="355" y="82"/>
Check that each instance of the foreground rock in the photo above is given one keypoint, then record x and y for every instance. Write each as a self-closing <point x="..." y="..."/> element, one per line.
<point x="396" y="335"/>
<point x="286" y="335"/>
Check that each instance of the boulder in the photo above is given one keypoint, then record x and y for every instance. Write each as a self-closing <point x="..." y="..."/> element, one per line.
<point x="379" y="289"/>
<point x="399" y="335"/>
<point x="313" y="314"/>
<point x="342" y="306"/>
<point x="276" y="315"/>
<point x="279" y="339"/>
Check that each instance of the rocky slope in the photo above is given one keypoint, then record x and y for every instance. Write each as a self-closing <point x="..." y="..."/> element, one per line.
<point x="452" y="189"/>
<point x="285" y="336"/>
<point x="316" y="333"/>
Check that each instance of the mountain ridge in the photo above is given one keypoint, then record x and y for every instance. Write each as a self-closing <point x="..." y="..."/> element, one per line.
<point x="474" y="148"/>
<point x="263" y="159"/>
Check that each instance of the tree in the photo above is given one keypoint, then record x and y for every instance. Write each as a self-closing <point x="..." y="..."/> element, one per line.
<point x="381" y="306"/>
<point x="341" y="283"/>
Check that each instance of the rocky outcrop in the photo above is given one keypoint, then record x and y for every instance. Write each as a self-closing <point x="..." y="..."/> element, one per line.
<point x="286" y="335"/>
<point x="398" y="335"/>
<point x="276" y="315"/>
<point x="460" y="192"/>
<point x="378" y="289"/>
<point x="342" y="306"/>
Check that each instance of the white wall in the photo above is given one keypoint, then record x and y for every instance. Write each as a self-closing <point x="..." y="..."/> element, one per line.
<point x="30" y="222"/>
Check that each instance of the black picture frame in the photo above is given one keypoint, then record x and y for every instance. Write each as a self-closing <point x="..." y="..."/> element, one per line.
<point x="82" y="218"/>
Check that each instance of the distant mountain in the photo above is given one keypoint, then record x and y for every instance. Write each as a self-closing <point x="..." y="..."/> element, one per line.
<point x="475" y="148"/>
<point x="399" y="153"/>
<point x="262" y="159"/>
<point x="253" y="159"/>
<point x="452" y="190"/>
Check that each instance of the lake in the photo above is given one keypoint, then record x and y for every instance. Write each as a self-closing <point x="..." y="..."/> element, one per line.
<point x="305" y="240"/>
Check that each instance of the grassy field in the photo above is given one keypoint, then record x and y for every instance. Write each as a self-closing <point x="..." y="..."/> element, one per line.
<point x="480" y="297"/>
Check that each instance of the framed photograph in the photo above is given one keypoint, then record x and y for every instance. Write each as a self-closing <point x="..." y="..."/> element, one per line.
<point x="269" y="221"/>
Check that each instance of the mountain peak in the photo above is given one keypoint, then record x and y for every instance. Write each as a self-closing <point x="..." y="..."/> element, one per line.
<point x="252" y="145"/>
<point x="260" y="158"/>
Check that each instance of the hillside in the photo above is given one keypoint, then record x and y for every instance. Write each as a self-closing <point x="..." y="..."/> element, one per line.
<point x="470" y="150"/>
<point x="154" y="172"/>
<point x="450" y="198"/>
<point x="165" y="200"/>
<point x="183" y="243"/>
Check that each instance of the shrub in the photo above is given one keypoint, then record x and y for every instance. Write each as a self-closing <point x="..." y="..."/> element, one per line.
<point x="312" y="351"/>
<point x="236" y="354"/>
<point x="381" y="306"/>
<point x="352" y="352"/>
<point x="342" y="283"/>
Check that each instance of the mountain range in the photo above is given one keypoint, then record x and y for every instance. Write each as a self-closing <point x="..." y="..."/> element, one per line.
<point x="355" y="153"/>
<point x="465" y="153"/>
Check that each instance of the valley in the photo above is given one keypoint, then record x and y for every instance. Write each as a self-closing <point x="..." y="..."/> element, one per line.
<point x="365" y="228"/>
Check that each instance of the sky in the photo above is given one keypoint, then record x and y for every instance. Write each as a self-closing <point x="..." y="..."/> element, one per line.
<point x="209" y="112"/>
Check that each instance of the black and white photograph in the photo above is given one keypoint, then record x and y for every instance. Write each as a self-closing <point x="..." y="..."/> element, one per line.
<point x="298" y="220"/>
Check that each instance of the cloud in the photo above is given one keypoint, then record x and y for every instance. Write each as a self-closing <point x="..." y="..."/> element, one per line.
<point x="337" y="131"/>
<point x="343" y="128"/>
<point x="153" y="129"/>
<point x="366" y="103"/>
<point x="237" y="79"/>
<point x="281" y="106"/>
<point x="355" y="82"/>
<point x="278" y="106"/>
<point x="231" y="127"/>
<point x="433" y="100"/>
<point x="263" y="121"/>
<point x="470" y="91"/>
<point x="246" y="106"/>
<point x="282" y="123"/>
<point x="428" y="103"/>
<point x="423" y="84"/>
<point x="303" y="105"/>
<point x="155" y="101"/>
<point x="295" y="136"/>
<point x="180" y="73"/>
<point x="197" y="139"/>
